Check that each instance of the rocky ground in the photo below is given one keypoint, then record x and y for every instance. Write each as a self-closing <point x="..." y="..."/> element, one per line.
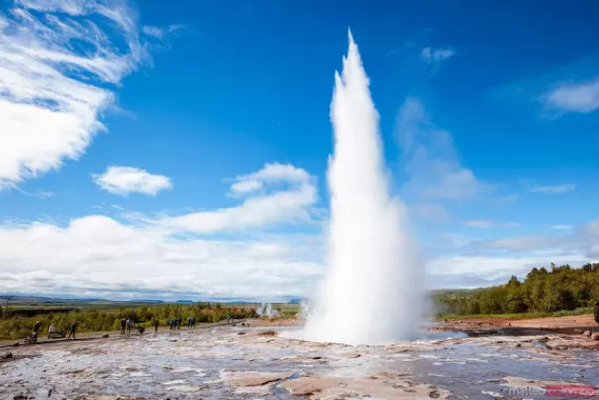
<point x="253" y="361"/>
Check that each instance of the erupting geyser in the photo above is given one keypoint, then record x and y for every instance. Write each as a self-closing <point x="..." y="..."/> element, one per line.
<point x="371" y="293"/>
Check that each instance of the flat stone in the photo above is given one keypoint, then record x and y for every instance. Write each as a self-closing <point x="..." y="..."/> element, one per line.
<point x="383" y="386"/>
<point x="519" y="382"/>
<point x="243" y="379"/>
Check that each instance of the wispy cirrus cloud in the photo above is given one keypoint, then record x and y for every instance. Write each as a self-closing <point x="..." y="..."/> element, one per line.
<point x="486" y="223"/>
<point x="562" y="227"/>
<point x="517" y="244"/>
<point x="554" y="189"/>
<point x="479" y="223"/>
<point x="473" y="271"/>
<point x="430" y="157"/>
<point x="493" y="261"/>
<point x="59" y="64"/>
<point x="162" y="32"/>
<point x="125" y="180"/>
<point x="437" y="55"/>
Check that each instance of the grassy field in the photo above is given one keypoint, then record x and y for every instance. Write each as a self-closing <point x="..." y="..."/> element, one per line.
<point x="17" y="321"/>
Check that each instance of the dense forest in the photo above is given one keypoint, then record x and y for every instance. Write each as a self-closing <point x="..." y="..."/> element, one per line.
<point x="559" y="289"/>
<point x="14" y="324"/>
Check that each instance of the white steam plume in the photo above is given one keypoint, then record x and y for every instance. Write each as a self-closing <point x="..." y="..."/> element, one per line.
<point x="371" y="293"/>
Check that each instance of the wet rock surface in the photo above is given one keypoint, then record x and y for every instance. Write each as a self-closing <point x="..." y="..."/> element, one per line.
<point x="220" y="363"/>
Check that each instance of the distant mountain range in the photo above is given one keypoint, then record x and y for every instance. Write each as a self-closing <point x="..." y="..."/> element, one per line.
<point x="26" y="300"/>
<point x="58" y="301"/>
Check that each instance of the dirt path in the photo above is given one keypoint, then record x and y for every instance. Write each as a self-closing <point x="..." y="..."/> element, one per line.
<point x="274" y="322"/>
<point x="569" y="324"/>
<point x="86" y="336"/>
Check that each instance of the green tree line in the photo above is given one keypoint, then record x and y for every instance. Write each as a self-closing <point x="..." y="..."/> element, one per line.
<point x="552" y="290"/>
<point x="16" y="326"/>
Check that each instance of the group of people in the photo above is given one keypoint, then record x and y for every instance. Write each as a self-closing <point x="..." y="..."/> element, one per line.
<point x="52" y="331"/>
<point x="126" y="325"/>
<point x="175" y="323"/>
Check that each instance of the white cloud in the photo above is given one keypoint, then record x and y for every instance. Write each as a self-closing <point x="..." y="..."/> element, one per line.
<point x="99" y="256"/>
<point x="153" y="31"/>
<point x="562" y="227"/>
<point x="144" y="256"/>
<point x="490" y="262"/>
<point x="574" y="97"/>
<point x="58" y="62"/>
<point x="511" y="225"/>
<point x="161" y="33"/>
<point x="554" y="189"/>
<point x="588" y="236"/>
<point x="245" y="186"/>
<point x="435" y="56"/>
<point x="125" y="180"/>
<point x="431" y="212"/>
<point x="523" y="243"/>
<point x="479" y="223"/>
<point x="485" y="224"/>
<point x="275" y="194"/>
<point x="271" y="173"/>
<point x="431" y="160"/>
<point x="459" y="271"/>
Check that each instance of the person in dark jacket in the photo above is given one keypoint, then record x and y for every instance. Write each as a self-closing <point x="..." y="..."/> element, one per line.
<point x="596" y="312"/>
<point x="156" y="323"/>
<point x="73" y="330"/>
<point x="36" y="329"/>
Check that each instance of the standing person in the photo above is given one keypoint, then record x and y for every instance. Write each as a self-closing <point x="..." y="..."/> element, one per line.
<point x="193" y="322"/>
<point x="123" y="326"/>
<point x="179" y="321"/>
<point x="156" y="323"/>
<point x="129" y="323"/>
<point x="171" y="324"/>
<point x="51" y="330"/>
<point x="596" y="312"/>
<point x="228" y="319"/>
<point x="36" y="330"/>
<point x="73" y="330"/>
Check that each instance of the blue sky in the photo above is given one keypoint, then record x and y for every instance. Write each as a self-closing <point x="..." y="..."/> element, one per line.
<point x="181" y="149"/>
